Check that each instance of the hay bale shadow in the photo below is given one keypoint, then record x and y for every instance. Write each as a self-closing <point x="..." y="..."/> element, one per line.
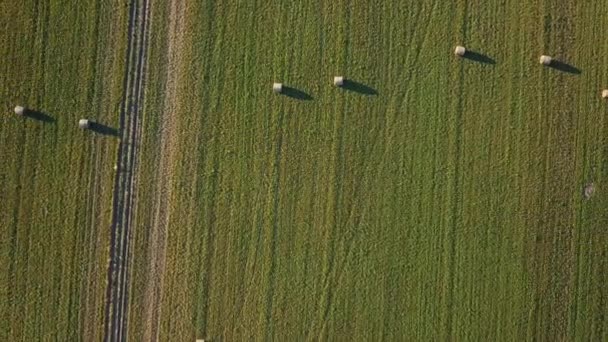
<point x="565" y="67"/>
<point x="103" y="129"/>
<point x="358" y="87"/>
<point x="479" y="57"/>
<point x="38" y="116"/>
<point x="296" y="94"/>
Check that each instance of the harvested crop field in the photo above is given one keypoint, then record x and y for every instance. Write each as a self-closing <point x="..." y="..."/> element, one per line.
<point x="431" y="197"/>
<point x="64" y="62"/>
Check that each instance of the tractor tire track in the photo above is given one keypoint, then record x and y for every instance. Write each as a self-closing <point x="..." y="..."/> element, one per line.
<point x="116" y="307"/>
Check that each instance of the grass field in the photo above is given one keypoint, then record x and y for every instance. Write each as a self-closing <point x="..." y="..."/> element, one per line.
<point x="440" y="198"/>
<point x="436" y="198"/>
<point x="65" y="62"/>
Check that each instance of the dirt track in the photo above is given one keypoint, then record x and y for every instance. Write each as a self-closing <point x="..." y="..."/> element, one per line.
<point x="116" y="308"/>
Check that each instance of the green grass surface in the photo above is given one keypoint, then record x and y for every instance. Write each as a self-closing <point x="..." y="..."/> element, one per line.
<point x="446" y="206"/>
<point x="64" y="61"/>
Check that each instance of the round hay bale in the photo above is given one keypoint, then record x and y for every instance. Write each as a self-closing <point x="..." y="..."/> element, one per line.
<point x="338" y="81"/>
<point x="588" y="191"/>
<point x="605" y="94"/>
<point x="277" y="87"/>
<point x="83" y="124"/>
<point x="460" y="51"/>
<point x="19" y="110"/>
<point x="545" y="60"/>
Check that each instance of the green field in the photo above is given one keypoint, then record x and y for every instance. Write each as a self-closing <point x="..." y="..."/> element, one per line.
<point x="432" y="198"/>
<point x="63" y="61"/>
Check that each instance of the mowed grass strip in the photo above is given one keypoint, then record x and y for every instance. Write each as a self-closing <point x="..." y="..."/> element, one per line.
<point x="64" y="61"/>
<point x="440" y="198"/>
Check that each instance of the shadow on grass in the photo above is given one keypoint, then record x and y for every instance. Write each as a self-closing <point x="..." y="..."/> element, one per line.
<point x="479" y="57"/>
<point x="103" y="129"/>
<point x="296" y="94"/>
<point x="359" y="87"/>
<point x="565" y="67"/>
<point x="38" y="116"/>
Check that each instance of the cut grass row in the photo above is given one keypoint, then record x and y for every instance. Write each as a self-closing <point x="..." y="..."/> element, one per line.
<point x="65" y="60"/>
